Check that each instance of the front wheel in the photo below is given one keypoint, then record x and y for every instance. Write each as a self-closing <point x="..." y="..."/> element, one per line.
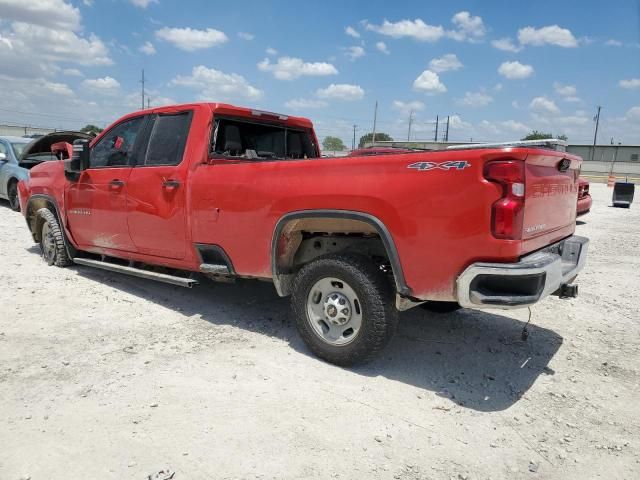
<point x="344" y="309"/>
<point x="12" y="194"/>
<point x="52" y="242"/>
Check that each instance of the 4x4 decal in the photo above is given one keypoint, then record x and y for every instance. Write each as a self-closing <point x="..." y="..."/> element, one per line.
<point x="451" y="165"/>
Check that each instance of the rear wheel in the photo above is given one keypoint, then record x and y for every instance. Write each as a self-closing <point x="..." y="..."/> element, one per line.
<point x="344" y="310"/>
<point x="52" y="244"/>
<point x="12" y="193"/>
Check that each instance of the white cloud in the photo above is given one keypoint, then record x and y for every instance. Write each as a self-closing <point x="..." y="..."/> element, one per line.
<point x="468" y="27"/>
<point x="550" y="35"/>
<point x="246" y="35"/>
<point x="304" y="103"/>
<point x="352" y="32"/>
<point x="34" y="50"/>
<point x="515" y="70"/>
<point x="515" y="104"/>
<point x="382" y="47"/>
<point x="497" y="87"/>
<point x="613" y="43"/>
<point x="475" y="99"/>
<point x="445" y="63"/>
<point x="271" y="51"/>
<point x="543" y="105"/>
<point x="572" y="98"/>
<point x="631" y="83"/>
<point x="341" y="91"/>
<point x="515" y="126"/>
<point x="72" y="72"/>
<point x="55" y="14"/>
<point x="406" y="107"/>
<point x="416" y="29"/>
<point x="288" y="68"/>
<point x="429" y="82"/>
<point x="147" y="48"/>
<point x="189" y="39"/>
<point x="506" y="45"/>
<point x="105" y="86"/>
<point x="215" y="85"/>
<point x="354" y="52"/>
<point x="142" y="3"/>
<point x="633" y="113"/>
<point x="456" y="123"/>
<point x="564" y="90"/>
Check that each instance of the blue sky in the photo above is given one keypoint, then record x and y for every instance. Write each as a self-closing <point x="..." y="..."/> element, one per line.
<point x="498" y="68"/>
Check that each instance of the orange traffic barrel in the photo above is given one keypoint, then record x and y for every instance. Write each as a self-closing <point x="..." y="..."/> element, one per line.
<point x="612" y="181"/>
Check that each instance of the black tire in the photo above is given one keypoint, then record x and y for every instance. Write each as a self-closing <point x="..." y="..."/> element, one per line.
<point x="12" y="195"/>
<point x="375" y="295"/>
<point x="440" y="307"/>
<point x="52" y="243"/>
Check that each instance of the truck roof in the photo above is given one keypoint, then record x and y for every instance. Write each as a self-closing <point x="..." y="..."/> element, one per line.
<point x="234" y="110"/>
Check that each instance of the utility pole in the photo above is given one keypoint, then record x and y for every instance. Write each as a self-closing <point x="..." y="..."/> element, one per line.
<point x="436" y="136"/>
<point x="375" y="119"/>
<point x="446" y="135"/>
<point x="410" y="121"/>
<point x="353" y="144"/>
<point x="148" y="103"/>
<point x="595" y="135"/>
<point x="142" y="82"/>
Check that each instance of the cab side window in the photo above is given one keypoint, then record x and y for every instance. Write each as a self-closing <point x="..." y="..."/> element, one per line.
<point x="116" y="148"/>
<point x="3" y="149"/>
<point x="168" y="139"/>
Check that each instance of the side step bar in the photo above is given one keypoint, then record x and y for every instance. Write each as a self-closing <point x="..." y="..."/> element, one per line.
<point x="137" y="272"/>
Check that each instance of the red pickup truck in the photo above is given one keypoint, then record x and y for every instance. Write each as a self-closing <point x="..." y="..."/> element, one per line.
<point x="217" y="190"/>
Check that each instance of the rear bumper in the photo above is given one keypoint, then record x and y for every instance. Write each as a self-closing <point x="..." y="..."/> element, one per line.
<point x="584" y="205"/>
<point x="521" y="284"/>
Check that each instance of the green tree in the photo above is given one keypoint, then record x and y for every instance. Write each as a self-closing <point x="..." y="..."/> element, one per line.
<point x="380" y="137"/>
<point x="332" y="144"/>
<point x="91" y="129"/>
<point x="536" y="135"/>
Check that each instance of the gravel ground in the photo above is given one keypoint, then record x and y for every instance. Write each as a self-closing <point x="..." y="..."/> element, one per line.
<point x="104" y="376"/>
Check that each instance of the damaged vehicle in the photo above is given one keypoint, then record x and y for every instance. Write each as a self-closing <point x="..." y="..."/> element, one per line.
<point x="18" y="155"/>
<point x="179" y="192"/>
<point x="10" y="172"/>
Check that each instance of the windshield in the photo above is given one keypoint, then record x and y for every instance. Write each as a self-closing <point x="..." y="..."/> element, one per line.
<point x="19" y="148"/>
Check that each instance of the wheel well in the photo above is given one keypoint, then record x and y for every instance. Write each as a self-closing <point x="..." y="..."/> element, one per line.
<point x="33" y="220"/>
<point x="299" y="239"/>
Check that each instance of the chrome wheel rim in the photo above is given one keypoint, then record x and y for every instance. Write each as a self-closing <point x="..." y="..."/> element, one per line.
<point x="48" y="243"/>
<point x="334" y="311"/>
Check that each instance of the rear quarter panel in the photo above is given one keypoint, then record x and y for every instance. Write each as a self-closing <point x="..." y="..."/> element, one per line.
<point x="439" y="219"/>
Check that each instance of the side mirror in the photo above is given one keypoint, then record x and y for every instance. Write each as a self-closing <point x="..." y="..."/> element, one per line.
<point x="79" y="160"/>
<point x="3" y="157"/>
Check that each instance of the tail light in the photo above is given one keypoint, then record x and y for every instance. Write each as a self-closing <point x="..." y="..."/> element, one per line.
<point x="507" y="214"/>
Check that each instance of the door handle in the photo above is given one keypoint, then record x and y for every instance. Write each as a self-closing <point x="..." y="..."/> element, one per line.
<point x="170" y="184"/>
<point x="116" y="184"/>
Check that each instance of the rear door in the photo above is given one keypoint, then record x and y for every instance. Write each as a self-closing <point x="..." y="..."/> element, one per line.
<point x="156" y="196"/>
<point x="97" y="203"/>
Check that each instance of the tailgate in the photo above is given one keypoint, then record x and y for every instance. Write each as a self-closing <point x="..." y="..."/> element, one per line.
<point x="551" y="194"/>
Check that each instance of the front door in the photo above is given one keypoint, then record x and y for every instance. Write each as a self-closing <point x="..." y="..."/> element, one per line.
<point x="97" y="202"/>
<point x="157" y="187"/>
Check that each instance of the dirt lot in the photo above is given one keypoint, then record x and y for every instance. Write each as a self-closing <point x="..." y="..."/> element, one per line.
<point x="104" y="376"/>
